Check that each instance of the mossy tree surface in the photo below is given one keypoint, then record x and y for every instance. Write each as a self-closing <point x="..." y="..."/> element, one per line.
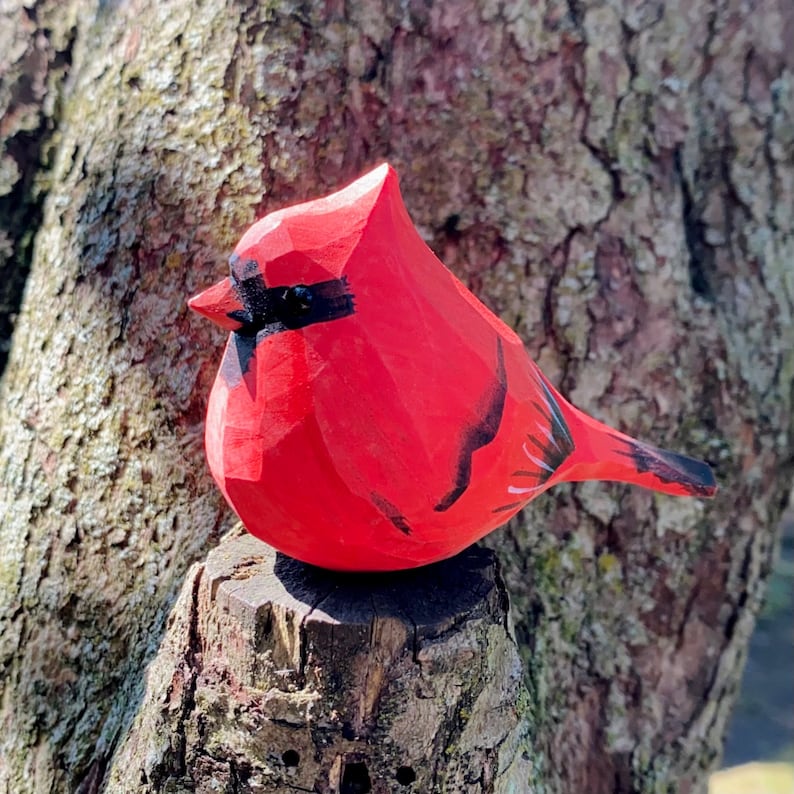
<point x="614" y="179"/>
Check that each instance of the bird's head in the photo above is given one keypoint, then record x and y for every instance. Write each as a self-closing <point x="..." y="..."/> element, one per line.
<point x="297" y="266"/>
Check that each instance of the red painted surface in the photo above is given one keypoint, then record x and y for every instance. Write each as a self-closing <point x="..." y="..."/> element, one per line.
<point x="370" y="413"/>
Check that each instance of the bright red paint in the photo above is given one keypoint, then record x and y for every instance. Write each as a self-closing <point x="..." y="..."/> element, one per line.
<point x="394" y="428"/>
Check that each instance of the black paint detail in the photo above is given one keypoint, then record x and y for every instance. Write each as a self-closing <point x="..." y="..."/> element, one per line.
<point x="270" y="310"/>
<point x="670" y="467"/>
<point x="559" y="427"/>
<point x="299" y="300"/>
<point x="546" y="450"/>
<point x="289" y="307"/>
<point x="552" y="451"/>
<point x="237" y="358"/>
<point x="476" y="436"/>
<point x="249" y="285"/>
<point x="391" y="512"/>
<point x="505" y="508"/>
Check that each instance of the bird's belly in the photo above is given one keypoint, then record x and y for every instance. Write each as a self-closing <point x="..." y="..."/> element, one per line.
<point x="288" y="488"/>
<point x="335" y="478"/>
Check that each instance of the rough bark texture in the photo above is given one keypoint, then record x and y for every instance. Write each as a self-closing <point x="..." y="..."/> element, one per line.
<point x="274" y="676"/>
<point x="35" y="55"/>
<point x="615" y="179"/>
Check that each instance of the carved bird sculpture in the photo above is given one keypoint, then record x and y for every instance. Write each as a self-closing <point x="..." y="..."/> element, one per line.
<point x="369" y="412"/>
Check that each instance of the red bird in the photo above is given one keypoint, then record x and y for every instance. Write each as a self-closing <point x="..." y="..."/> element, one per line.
<point x="370" y="413"/>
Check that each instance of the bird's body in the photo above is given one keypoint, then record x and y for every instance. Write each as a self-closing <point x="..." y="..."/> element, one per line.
<point x="370" y="413"/>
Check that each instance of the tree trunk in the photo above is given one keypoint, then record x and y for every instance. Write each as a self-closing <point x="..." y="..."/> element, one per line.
<point x="615" y="180"/>
<point x="32" y="67"/>
<point x="275" y="676"/>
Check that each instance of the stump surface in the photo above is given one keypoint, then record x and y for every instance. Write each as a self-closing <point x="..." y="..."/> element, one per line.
<point x="285" y="677"/>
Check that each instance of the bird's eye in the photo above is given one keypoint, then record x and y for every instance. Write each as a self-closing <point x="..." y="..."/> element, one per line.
<point x="298" y="300"/>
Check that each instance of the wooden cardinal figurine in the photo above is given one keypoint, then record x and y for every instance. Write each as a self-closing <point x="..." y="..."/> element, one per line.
<point x="370" y="413"/>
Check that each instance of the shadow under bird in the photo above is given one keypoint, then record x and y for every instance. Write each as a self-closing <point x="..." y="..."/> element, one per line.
<point x="369" y="412"/>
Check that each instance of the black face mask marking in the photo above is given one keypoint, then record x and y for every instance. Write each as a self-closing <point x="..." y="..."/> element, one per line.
<point x="271" y="310"/>
<point x="285" y="308"/>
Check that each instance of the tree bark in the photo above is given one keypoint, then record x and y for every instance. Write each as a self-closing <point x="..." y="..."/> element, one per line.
<point x="614" y="179"/>
<point x="275" y="676"/>
<point x="35" y="55"/>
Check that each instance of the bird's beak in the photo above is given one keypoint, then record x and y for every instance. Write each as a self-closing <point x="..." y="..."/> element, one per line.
<point x="220" y="304"/>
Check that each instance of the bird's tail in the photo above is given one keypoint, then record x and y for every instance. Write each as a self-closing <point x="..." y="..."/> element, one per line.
<point x="602" y="453"/>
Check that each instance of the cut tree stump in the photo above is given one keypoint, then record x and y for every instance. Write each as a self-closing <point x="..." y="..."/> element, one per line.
<point x="277" y="676"/>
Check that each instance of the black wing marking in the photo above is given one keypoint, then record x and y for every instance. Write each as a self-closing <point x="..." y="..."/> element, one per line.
<point x="547" y="448"/>
<point x="505" y="508"/>
<point x="670" y="467"/>
<point x="391" y="512"/>
<point x="480" y="434"/>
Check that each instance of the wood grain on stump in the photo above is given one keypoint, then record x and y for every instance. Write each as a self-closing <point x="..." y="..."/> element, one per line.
<point x="284" y="677"/>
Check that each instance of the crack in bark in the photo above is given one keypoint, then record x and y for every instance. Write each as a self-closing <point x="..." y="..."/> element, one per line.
<point x="303" y="632"/>
<point x="22" y="208"/>
<point x="192" y="665"/>
<point x="700" y="260"/>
